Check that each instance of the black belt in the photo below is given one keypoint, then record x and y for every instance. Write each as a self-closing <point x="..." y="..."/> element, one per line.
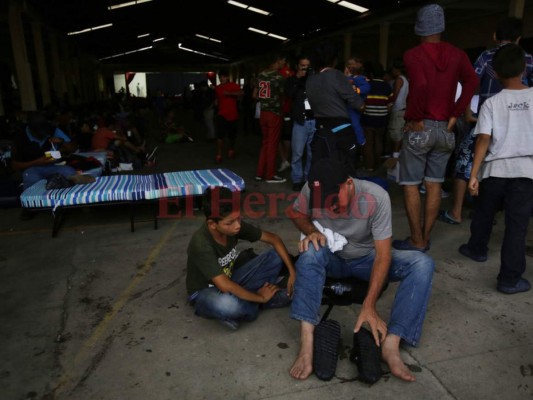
<point x="331" y="123"/>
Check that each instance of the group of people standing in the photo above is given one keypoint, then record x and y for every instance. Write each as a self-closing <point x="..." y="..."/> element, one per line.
<point x="226" y="285"/>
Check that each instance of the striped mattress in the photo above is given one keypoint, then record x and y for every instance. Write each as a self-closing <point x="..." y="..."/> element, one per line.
<point x="131" y="188"/>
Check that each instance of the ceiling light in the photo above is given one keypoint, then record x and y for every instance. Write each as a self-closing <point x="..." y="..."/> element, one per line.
<point x="267" y="33"/>
<point x="129" y="3"/>
<point x="208" y="38"/>
<point x="158" y="39"/>
<point x="249" y="8"/>
<point x="258" y="10"/>
<point x="143" y="35"/>
<point x="277" y="36"/>
<point x="352" y="6"/>
<point x="201" y="53"/>
<point x="128" y="52"/>
<point x="237" y="4"/>
<point x="258" y="31"/>
<point x="94" y="28"/>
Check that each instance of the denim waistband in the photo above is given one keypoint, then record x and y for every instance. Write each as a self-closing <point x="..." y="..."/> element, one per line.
<point x="438" y="124"/>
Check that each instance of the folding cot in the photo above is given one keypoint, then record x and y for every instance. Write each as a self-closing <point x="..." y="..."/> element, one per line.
<point x="128" y="190"/>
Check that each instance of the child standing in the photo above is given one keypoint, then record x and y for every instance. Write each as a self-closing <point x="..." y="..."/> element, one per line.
<point x="501" y="172"/>
<point x="361" y="86"/>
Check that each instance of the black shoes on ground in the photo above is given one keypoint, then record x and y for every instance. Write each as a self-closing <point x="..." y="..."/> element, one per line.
<point x="467" y="252"/>
<point x="325" y="349"/>
<point x="522" y="285"/>
<point x="367" y="356"/>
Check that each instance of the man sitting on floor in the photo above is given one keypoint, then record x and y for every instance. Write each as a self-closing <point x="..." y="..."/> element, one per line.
<point x="38" y="151"/>
<point x="228" y="285"/>
<point x="360" y="211"/>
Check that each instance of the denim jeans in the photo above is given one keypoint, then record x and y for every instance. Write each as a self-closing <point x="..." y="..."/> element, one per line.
<point x="35" y="174"/>
<point x="213" y="304"/>
<point x="516" y="197"/>
<point x="425" y="154"/>
<point x="302" y="136"/>
<point x="413" y="269"/>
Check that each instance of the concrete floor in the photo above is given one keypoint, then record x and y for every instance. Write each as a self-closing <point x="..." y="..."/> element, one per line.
<point x="100" y="313"/>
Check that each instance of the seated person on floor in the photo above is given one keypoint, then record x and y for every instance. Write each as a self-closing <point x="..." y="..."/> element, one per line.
<point x="360" y="211"/>
<point x="228" y="285"/>
<point x="39" y="151"/>
<point x="172" y="131"/>
<point x="119" y="148"/>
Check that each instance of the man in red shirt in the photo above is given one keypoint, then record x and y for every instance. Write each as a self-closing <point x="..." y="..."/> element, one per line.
<point x="434" y="68"/>
<point x="227" y="94"/>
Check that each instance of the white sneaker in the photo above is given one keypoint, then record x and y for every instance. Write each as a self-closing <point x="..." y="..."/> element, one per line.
<point x="276" y="179"/>
<point x="283" y="166"/>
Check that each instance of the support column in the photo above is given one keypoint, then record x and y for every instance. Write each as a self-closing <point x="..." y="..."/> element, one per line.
<point x="68" y="73"/>
<point x="41" y="63"/>
<point x="58" y="77"/>
<point x="20" y="56"/>
<point x="347" y="47"/>
<point x="2" y="111"/>
<point x="384" y="28"/>
<point x="516" y="8"/>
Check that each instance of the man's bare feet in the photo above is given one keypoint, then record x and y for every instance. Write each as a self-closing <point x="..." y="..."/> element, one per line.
<point x="303" y="365"/>
<point x="390" y="353"/>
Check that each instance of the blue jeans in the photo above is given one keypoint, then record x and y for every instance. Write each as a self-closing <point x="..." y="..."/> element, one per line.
<point x="516" y="197"/>
<point x="302" y="136"/>
<point x="413" y="269"/>
<point x="35" y="174"/>
<point x="211" y="303"/>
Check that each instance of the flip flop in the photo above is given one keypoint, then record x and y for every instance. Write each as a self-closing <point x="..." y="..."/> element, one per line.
<point x="325" y="353"/>
<point x="367" y="356"/>
<point x="445" y="217"/>
<point x="406" y="245"/>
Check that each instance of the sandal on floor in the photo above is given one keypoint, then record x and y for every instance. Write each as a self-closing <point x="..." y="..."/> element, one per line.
<point x="367" y="356"/>
<point x="406" y="245"/>
<point x="445" y="217"/>
<point x="326" y="340"/>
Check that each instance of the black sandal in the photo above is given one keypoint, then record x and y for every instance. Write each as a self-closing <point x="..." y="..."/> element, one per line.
<point x="367" y="356"/>
<point x="325" y="353"/>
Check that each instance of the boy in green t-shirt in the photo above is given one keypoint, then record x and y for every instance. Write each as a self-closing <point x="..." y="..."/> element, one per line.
<point x="228" y="285"/>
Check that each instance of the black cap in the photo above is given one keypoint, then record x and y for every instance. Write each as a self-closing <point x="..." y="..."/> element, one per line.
<point x="38" y="124"/>
<point x="324" y="181"/>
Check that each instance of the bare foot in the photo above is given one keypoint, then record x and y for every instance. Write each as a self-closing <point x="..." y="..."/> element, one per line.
<point x="303" y="365"/>
<point x="390" y="352"/>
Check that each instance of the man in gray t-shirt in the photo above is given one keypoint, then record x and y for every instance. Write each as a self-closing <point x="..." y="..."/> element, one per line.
<point x="332" y="207"/>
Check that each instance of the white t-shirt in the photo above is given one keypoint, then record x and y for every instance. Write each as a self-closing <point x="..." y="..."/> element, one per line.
<point x="508" y="118"/>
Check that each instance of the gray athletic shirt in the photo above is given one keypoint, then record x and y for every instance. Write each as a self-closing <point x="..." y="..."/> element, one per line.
<point x="368" y="218"/>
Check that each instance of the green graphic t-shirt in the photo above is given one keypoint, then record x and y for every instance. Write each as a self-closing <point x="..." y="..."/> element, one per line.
<point x="206" y="258"/>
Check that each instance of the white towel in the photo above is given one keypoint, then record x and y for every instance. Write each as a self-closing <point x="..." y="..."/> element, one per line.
<point x="335" y="240"/>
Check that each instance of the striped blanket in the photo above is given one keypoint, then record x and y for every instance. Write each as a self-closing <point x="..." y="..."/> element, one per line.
<point x="131" y="188"/>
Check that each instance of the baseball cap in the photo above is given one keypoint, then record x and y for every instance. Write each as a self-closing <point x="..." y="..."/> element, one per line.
<point x="324" y="181"/>
<point x="38" y="124"/>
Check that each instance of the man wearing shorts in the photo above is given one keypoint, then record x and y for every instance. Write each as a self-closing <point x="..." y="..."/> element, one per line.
<point x="434" y="68"/>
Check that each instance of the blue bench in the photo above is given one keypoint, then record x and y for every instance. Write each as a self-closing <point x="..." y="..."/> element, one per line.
<point x="127" y="189"/>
